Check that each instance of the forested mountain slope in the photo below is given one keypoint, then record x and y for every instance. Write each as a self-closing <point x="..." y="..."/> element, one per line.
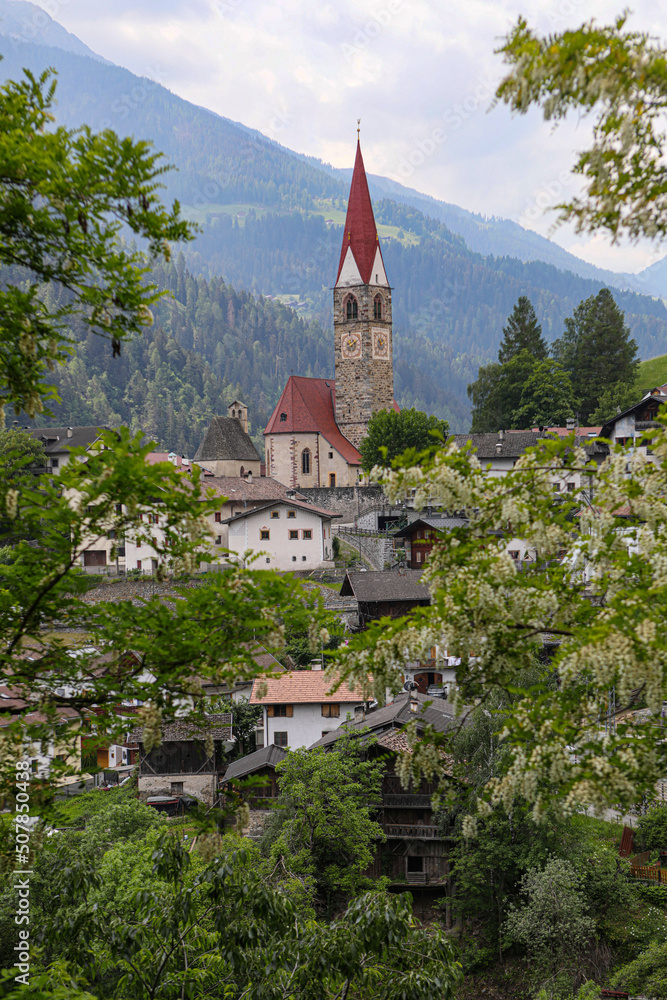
<point x="272" y="224"/>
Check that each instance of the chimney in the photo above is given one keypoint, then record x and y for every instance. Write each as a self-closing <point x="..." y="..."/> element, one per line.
<point x="69" y="432"/>
<point x="248" y="477"/>
<point x="359" y="713"/>
<point x="501" y="435"/>
<point x="569" y="423"/>
<point x="499" y="447"/>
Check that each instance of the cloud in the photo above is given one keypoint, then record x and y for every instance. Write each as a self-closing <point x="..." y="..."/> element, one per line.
<point x="421" y="75"/>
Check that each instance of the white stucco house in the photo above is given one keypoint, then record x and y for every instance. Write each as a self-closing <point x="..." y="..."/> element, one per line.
<point x="299" y="707"/>
<point x="285" y="535"/>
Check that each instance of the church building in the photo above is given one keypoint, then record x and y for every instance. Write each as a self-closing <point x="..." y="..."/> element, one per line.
<point x="313" y="435"/>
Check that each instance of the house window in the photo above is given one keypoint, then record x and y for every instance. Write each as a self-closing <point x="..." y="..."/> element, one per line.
<point x="218" y="540"/>
<point x="330" y="454"/>
<point x="570" y="487"/>
<point x="415" y="864"/>
<point x="293" y="535"/>
<point x="305" y="462"/>
<point x="268" y="560"/>
<point x="54" y="463"/>
<point x="352" y="308"/>
<point x="280" y="711"/>
<point x="514" y="553"/>
<point x="556" y="487"/>
<point x="138" y="563"/>
<point x="217" y="517"/>
<point x="418" y="557"/>
<point x="331" y="711"/>
<point x="119" y="508"/>
<point x="152" y="518"/>
<point x="264" y="535"/>
<point x="275" y="513"/>
<point x="280" y="739"/>
<point x="283" y="418"/>
<point x="303" y="558"/>
<point x="293" y="558"/>
<point x="377" y="307"/>
<point x="291" y="513"/>
<point x="177" y="788"/>
<point x="332" y="479"/>
<point x="111" y="534"/>
<point x="307" y="533"/>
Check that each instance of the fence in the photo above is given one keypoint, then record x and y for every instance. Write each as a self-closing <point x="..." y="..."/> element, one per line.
<point x="650" y="873"/>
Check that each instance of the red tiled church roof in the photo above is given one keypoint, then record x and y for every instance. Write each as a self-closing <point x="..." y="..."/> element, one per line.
<point x="360" y="230"/>
<point x="309" y="405"/>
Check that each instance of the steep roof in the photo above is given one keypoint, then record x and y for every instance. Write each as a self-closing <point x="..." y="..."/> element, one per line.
<point x="439" y="522"/>
<point x="385" y="585"/>
<point x="225" y="440"/>
<point x="285" y="503"/>
<point x="266" y="757"/>
<point x="236" y="488"/>
<point x="434" y="711"/>
<point x="309" y="405"/>
<point x="218" y="726"/>
<point x="55" y="439"/>
<point x="301" y="687"/>
<point x="360" y="234"/>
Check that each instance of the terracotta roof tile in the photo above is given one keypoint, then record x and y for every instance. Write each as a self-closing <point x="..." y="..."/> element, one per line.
<point x="302" y="687"/>
<point x="309" y="405"/>
<point x="360" y="231"/>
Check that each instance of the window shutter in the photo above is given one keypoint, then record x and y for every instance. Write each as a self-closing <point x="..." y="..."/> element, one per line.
<point x="290" y="711"/>
<point x="269" y="711"/>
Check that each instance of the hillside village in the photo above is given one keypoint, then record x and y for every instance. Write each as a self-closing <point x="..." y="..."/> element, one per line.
<point x="306" y="692"/>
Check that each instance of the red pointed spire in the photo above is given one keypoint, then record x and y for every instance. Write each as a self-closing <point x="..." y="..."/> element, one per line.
<point x="360" y="230"/>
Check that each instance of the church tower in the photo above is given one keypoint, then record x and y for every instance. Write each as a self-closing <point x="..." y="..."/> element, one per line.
<point x="362" y="317"/>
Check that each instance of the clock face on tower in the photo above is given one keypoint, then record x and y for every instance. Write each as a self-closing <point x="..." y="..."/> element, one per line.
<point x="350" y="345"/>
<point x="380" y="343"/>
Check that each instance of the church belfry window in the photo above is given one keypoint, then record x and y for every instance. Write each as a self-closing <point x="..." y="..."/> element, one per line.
<point x="283" y="417"/>
<point x="305" y="462"/>
<point x="352" y="308"/>
<point x="377" y="307"/>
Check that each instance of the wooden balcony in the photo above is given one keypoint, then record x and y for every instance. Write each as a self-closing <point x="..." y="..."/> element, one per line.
<point x="412" y="831"/>
<point x="406" y="800"/>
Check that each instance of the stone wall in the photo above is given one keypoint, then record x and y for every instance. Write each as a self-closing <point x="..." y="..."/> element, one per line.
<point x="199" y="786"/>
<point x="349" y="501"/>
<point x="378" y="550"/>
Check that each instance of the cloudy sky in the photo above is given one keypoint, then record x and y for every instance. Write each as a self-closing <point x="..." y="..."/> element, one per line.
<point x="419" y="73"/>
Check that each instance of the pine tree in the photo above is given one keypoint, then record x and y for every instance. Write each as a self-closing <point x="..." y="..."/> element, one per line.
<point x="597" y="351"/>
<point x="522" y="332"/>
<point x="546" y="397"/>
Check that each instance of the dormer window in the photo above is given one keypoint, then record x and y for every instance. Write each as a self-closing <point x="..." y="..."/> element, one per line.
<point x="352" y="308"/>
<point x="283" y="417"/>
<point x="377" y="307"/>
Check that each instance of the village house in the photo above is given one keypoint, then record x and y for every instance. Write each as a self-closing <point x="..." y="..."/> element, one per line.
<point x="385" y="593"/>
<point x="260" y="765"/>
<point x="286" y="535"/>
<point x="299" y="707"/>
<point x="183" y="764"/>
<point x="416" y="851"/>
<point x="630" y="426"/>
<point x="59" y="441"/>
<point x="419" y="536"/>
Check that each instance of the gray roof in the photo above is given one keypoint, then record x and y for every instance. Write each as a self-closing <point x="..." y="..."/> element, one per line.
<point x="439" y="714"/>
<point x="386" y="585"/>
<point x="441" y="522"/>
<point x="218" y="726"/>
<point x="225" y="440"/>
<point x="514" y="443"/>
<point x="55" y="439"/>
<point x="267" y="757"/>
<point x="297" y="504"/>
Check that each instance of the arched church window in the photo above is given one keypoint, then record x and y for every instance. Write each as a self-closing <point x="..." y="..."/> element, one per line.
<point x="352" y="308"/>
<point x="233" y="413"/>
<point x="305" y="462"/>
<point x="377" y="307"/>
<point x="242" y="472"/>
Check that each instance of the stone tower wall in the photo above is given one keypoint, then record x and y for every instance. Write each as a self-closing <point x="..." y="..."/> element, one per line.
<point x="365" y="381"/>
